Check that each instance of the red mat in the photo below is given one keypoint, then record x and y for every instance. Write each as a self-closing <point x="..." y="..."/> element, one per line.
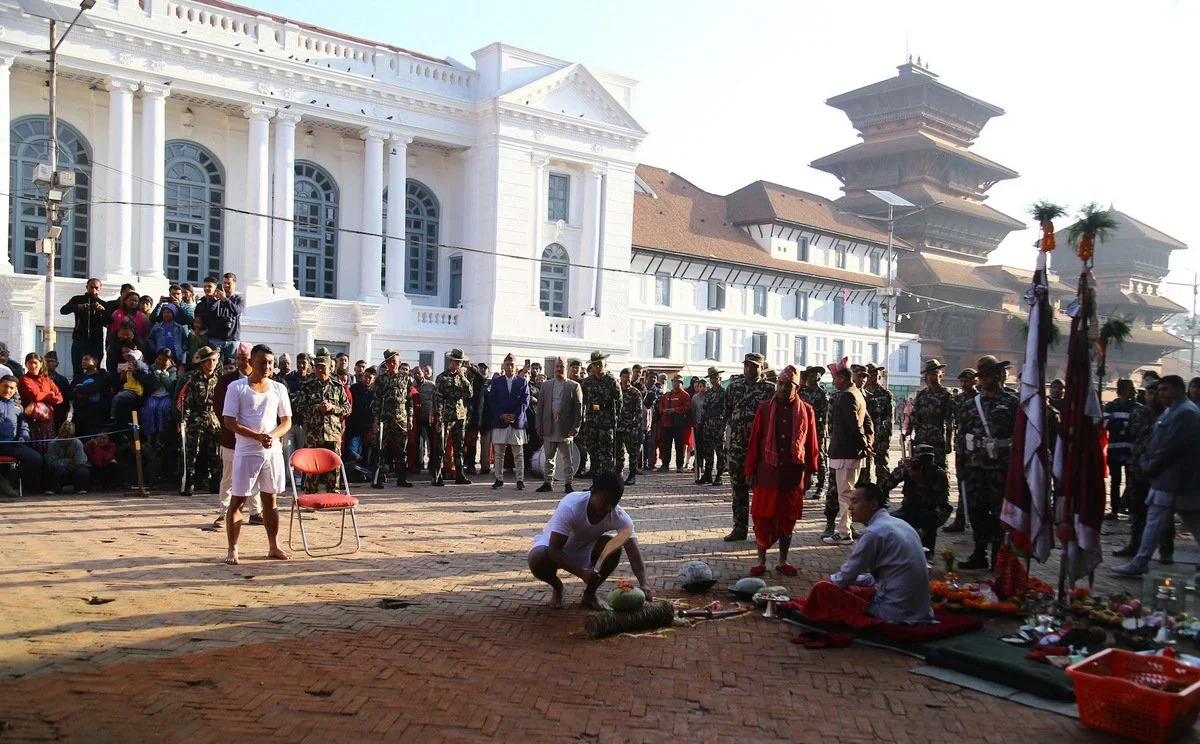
<point x="948" y="624"/>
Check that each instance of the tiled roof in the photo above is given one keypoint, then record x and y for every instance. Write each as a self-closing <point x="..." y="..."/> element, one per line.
<point x="1129" y="230"/>
<point x="1106" y="298"/>
<point x="901" y="82"/>
<point x="763" y="202"/>
<point x="908" y="142"/>
<point x="235" y="8"/>
<point x="926" y="194"/>
<point x="940" y="270"/>
<point x="1019" y="279"/>
<point x="1156" y="339"/>
<point x="689" y="221"/>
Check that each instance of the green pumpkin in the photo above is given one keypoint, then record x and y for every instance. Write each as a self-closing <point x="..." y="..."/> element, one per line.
<point x="748" y="586"/>
<point x="626" y="600"/>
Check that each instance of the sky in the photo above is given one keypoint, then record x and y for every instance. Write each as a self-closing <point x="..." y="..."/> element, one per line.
<point x="1100" y="97"/>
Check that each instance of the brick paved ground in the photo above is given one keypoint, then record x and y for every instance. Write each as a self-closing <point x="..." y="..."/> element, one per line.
<point x="192" y="650"/>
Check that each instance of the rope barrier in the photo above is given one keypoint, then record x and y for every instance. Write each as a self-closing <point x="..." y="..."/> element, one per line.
<point x="67" y="439"/>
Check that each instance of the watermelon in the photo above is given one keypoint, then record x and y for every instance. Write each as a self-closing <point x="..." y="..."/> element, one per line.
<point x="626" y="600"/>
<point x="748" y="586"/>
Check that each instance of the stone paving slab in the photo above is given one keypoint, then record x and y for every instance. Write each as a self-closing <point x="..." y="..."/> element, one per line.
<point x="193" y="650"/>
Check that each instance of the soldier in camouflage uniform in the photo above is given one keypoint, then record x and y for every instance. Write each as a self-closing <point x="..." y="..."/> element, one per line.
<point x="989" y="446"/>
<point x="880" y="406"/>
<point x="742" y="397"/>
<point x="966" y="384"/>
<point x="575" y="372"/>
<point x="453" y="392"/>
<point x="602" y="400"/>
<point x="712" y="434"/>
<point x="1141" y="425"/>
<point x="324" y="406"/>
<point x="813" y="394"/>
<point x="202" y="428"/>
<point x="630" y="428"/>
<point x="933" y="414"/>
<point x="392" y="410"/>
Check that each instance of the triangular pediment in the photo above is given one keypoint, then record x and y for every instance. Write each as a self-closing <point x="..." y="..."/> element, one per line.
<point x="574" y="93"/>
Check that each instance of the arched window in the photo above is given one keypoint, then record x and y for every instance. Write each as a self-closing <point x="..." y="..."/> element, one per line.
<point x="422" y="238"/>
<point x="195" y="192"/>
<point x="556" y="270"/>
<point x="27" y="220"/>
<point x="316" y="233"/>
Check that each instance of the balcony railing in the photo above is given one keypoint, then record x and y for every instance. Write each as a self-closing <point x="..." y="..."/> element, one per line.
<point x="440" y="317"/>
<point x="562" y="326"/>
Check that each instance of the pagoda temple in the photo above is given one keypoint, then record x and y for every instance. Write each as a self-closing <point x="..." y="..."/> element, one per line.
<point x="917" y="134"/>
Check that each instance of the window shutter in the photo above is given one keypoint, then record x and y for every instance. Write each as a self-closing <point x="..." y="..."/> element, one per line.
<point x="666" y="341"/>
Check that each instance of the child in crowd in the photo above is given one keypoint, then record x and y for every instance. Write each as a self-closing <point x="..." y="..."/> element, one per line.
<point x="197" y="339"/>
<point x="67" y="463"/>
<point x="135" y="382"/>
<point x="102" y="456"/>
<point x="168" y="334"/>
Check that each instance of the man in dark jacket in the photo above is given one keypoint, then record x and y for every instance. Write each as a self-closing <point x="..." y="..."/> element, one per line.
<point x="850" y="443"/>
<point x="476" y="424"/>
<point x="91" y="317"/>
<point x="222" y="313"/>
<point x="1174" y="484"/>
<point x="90" y="393"/>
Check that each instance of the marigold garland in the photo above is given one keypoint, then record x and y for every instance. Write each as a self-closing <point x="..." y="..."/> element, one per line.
<point x="1047" y="236"/>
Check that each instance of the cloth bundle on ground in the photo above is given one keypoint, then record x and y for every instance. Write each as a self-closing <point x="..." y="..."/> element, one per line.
<point x="828" y="605"/>
<point x="653" y="615"/>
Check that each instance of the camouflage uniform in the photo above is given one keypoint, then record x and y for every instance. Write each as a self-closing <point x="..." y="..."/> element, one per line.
<point x="831" y="492"/>
<point x="323" y="430"/>
<point x="392" y="409"/>
<point x="714" y="421"/>
<point x="602" y="400"/>
<point x="984" y="475"/>
<point x="741" y="402"/>
<point x="202" y="429"/>
<point x="880" y="407"/>
<point x="816" y="397"/>
<point x="630" y="430"/>
<point x="932" y="422"/>
<point x="453" y="392"/>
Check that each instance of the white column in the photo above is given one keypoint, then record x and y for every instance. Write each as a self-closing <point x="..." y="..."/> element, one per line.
<point x="153" y="181"/>
<point x="284" y="204"/>
<point x="371" y="246"/>
<point x="6" y="266"/>
<point x="257" y="206"/>
<point x="595" y="180"/>
<point x="118" y="254"/>
<point x="539" y="221"/>
<point x="397" y="210"/>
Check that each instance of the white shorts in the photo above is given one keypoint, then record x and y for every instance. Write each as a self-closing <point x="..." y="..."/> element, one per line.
<point x="255" y="474"/>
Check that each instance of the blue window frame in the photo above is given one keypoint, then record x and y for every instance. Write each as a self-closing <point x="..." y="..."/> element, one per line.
<point x="315" y="246"/>
<point x="195" y="194"/>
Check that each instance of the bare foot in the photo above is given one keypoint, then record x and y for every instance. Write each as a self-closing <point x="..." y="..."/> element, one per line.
<point x="589" y="602"/>
<point x="232" y="558"/>
<point x="556" y="600"/>
<point x="279" y="554"/>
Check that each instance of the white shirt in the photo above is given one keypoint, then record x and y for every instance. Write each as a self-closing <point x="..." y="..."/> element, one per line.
<point x="891" y="552"/>
<point x="258" y="412"/>
<point x="570" y="518"/>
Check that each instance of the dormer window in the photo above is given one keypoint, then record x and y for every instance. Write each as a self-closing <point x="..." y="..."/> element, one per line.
<point x="559" y="205"/>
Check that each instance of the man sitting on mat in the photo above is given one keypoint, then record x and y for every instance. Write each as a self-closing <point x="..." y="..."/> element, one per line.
<point x="576" y="535"/>
<point x="781" y="458"/>
<point x="885" y="579"/>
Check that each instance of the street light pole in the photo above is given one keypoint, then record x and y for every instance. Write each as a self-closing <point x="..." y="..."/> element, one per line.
<point x="51" y="205"/>
<point x="888" y="307"/>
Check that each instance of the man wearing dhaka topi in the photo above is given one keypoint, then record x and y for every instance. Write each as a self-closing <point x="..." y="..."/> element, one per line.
<point x="782" y="455"/>
<point x="576" y="536"/>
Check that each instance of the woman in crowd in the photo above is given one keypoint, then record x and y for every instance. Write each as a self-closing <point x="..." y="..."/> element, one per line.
<point x="129" y="310"/>
<point x="39" y="396"/>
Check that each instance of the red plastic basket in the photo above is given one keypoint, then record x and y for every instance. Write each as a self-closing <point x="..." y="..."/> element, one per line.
<point x="1112" y="693"/>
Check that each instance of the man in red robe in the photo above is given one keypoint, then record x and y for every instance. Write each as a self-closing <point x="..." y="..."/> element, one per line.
<point x="782" y="456"/>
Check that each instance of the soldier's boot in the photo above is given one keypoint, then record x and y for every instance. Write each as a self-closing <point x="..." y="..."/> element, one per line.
<point x="829" y="525"/>
<point x="631" y="479"/>
<point x="402" y="481"/>
<point x="716" y="481"/>
<point x="978" y="559"/>
<point x="959" y="524"/>
<point x="737" y="535"/>
<point x="377" y="479"/>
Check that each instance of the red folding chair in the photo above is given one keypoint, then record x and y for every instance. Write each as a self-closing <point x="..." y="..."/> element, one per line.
<point x="12" y="463"/>
<point x="312" y="461"/>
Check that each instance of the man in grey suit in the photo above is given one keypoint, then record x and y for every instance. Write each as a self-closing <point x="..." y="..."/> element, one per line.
<point x="559" y="413"/>
<point x="1169" y="461"/>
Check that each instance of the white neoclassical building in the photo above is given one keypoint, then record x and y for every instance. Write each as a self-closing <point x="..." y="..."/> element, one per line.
<point x="207" y="137"/>
<point x="766" y="269"/>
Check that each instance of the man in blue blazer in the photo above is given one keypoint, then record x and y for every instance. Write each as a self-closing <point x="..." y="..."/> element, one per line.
<point x="509" y="402"/>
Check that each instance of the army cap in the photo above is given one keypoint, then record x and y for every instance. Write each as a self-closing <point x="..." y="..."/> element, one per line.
<point x="321" y="361"/>
<point x="924" y="450"/>
<point x="858" y="369"/>
<point x="597" y="356"/>
<point x="989" y="363"/>
<point x="753" y="358"/>
<point x="933" y="365"/>
<point x="389" y="353"/>
<point x="714" y="372"/>
<point x="456" y="355"/>
<point x="968" y="374"/>
<point x="205" y="353"/>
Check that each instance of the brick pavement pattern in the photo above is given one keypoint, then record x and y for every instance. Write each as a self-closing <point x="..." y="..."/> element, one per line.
<point x="192" y="650"/>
